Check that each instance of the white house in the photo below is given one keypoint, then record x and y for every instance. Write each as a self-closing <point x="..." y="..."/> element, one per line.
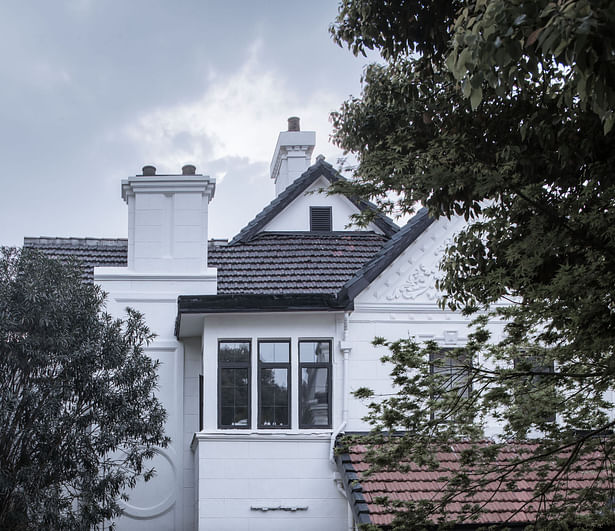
<point x="263" y="338"/>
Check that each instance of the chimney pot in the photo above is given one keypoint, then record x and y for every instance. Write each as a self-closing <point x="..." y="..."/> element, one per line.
<point x="293" y="124"/>
<point x="189" y="169"/>
<point x="149" y="170"/>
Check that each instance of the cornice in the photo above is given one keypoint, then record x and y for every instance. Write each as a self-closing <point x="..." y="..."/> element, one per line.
<point x="203" y="184"/>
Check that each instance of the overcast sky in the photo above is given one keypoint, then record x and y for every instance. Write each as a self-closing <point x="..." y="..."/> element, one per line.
<point x="91" y="90"/>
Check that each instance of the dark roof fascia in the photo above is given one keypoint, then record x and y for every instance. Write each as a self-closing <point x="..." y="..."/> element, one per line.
<point x="244" y="303"/>
<point x="320" y="169"/>
<point x="385" y="257"/>
<point x="353" y="489"/>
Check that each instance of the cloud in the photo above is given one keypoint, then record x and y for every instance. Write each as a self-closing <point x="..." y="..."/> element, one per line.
<point x="237" y="115"/>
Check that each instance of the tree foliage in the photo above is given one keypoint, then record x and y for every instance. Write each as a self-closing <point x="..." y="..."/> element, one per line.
<point x="502" y="112"/>
<point x="78" y="415"/>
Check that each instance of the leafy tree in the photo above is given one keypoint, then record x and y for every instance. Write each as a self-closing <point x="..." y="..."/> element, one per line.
<point x="502" y="112"/>
<point x="78" y="415"/>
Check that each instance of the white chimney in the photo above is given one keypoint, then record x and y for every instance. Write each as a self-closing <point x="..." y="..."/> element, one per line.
<point x="167" y="221"/>
<point x="292" y="155"/>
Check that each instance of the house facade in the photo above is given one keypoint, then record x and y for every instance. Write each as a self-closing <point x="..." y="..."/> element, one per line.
<point x="262" y="339"/>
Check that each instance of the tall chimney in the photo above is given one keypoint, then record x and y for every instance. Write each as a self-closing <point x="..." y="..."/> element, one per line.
<point x="167" y="221"/>
<point x="292" y="155"/>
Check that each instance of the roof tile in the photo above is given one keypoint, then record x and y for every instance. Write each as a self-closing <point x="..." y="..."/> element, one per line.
<point x="293" y="262"/>
<point x="501" y="502"/>
<point x="270" y="263"/>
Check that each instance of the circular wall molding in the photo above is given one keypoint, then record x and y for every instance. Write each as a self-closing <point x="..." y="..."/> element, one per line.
<point x="161" y="491"/>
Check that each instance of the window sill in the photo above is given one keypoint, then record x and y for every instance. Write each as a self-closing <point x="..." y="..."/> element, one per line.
<point x="320" y="435"/>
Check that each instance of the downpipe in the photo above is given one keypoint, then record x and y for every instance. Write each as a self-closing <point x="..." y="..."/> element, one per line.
<point x="345" y="348"/>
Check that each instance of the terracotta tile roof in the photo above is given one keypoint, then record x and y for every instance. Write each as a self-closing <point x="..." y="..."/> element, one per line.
<point x="512" y="504"/>
<point x="293" y="262"/>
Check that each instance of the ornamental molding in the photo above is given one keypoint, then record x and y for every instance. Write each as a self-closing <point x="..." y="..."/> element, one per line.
<point x="166" y="499"/>
<point x="420" y="283"/>
<point x="411" y="279"/>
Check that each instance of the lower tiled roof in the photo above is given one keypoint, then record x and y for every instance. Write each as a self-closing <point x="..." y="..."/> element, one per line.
<point x="89" y="252"/>
<point x="270" y="263"/>
<point x="501" y="502"/>
<point x="293" y="262"/>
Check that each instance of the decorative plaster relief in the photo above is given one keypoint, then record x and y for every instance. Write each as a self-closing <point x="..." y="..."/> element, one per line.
<point x="157" y="498"/>
<point x="421" y="281"/>
<point x="412" y="277"/>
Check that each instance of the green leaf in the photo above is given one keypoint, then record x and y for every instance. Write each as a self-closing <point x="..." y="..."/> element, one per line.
<point x="476" y="97"/>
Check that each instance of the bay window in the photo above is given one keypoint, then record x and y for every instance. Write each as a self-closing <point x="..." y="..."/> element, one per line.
<point x="274" y="367"/>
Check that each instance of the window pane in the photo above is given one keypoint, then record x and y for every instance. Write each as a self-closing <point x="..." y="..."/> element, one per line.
<point x="536" y="385"/>
<point x="274" y="397"/>
<point x="314" y="397"/>
<point x="274" y="352"/>
<point x="314" y="351"/>
<point x="453" y="371"/>
<point x="234" y="352"/>
<point x="234" y="397"/>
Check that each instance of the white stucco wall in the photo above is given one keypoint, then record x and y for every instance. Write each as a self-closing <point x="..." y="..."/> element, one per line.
<point x="193" y="364"/>
<point x="161" y="503"/>
<point x="253" y="482"/>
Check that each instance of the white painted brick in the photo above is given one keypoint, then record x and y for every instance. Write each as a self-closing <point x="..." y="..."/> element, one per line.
<point x="153" y="217"/>
<point x="188" y="201"/>
<point x="184" y="217"/>
<point x="188" y="233"/>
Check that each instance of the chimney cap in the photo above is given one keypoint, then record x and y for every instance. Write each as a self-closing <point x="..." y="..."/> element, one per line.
<point x="293" y="124"/>
<point x="148" y="169"/>
<point x="188" y="169"/>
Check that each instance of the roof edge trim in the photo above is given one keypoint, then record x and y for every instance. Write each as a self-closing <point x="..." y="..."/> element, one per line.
<point x="241" y="303"/>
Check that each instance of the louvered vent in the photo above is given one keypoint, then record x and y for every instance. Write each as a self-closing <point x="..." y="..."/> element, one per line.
<point x="320" y="219"/>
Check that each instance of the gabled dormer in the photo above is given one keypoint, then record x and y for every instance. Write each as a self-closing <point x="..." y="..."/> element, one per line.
<point x="302" y="205"/>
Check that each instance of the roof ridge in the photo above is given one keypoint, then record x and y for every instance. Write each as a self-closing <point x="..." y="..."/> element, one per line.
<point x="72" y="241"/>
<point x="315" y="234"/>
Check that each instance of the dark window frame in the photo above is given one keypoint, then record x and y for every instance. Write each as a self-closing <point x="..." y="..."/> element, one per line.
<point x="316" y="365"/>
<point x="321" y="209"/>
<point x="541" y="369"/>
<point x="235" y="365"/>
<point x="446" y="352"/>
<point x="274" y="365"/>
